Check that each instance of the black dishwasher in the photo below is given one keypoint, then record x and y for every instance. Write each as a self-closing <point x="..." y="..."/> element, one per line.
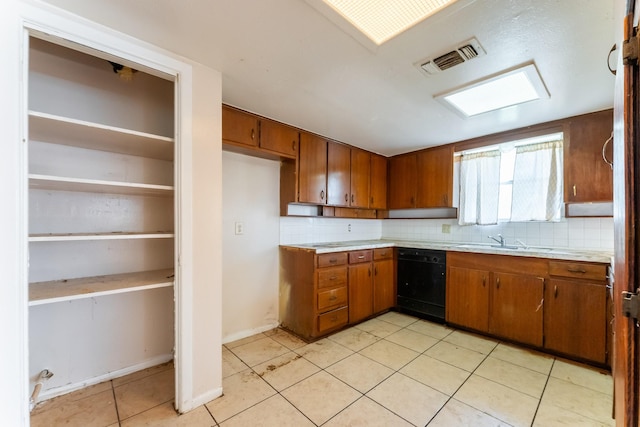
<point x="422" y="282"/>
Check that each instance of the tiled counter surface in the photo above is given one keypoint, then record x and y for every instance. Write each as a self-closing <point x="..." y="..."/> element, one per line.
<point x="551" y="253"/>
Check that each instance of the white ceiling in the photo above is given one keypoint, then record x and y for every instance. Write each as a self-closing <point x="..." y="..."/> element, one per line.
<point x="285" y="60"/>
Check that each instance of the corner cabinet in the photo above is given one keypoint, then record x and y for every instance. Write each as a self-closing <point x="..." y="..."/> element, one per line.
<point x="101" y="218"/>
<point x="422" y="179"/>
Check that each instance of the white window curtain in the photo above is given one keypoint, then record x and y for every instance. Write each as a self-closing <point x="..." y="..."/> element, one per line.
<point x="479" y="188"/>
<point x="537" y="182"/>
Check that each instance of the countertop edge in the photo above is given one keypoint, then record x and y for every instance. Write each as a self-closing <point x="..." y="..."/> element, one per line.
<point x="567" y="254"/>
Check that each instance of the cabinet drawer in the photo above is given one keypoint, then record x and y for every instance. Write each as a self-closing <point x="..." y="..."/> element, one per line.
<point x="360" y="256"/>
<point x="332" y="298"/>
<point x="382" y="253"/>
<point x="578" y="270"/>
<point x="332" y="277"/>
<point x="329" y="260"/>
<point x="333" y="319"/>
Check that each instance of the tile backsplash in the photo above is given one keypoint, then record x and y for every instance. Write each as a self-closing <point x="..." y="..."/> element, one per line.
<point x="575" y="233"/>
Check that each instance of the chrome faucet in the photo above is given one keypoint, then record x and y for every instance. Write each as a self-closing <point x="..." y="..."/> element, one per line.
<point x="500" y="240"/>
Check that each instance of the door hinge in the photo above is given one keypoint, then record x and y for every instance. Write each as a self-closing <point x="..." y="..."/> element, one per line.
<point x="630" y="305"/>
<point x="630" y="50"/>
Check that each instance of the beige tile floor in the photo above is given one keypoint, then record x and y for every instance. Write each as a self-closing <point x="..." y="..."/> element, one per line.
<point x="394" y="370"/>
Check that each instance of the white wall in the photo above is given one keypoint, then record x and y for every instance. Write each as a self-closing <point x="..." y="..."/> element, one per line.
<point x="250" y="260"/>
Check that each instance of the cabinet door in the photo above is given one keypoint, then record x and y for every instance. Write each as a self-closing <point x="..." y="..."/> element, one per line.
<point x="587" y="177"/>
<point x="312" y="172"/>
<point x="403" y="177"/>
<point x="360" y="173"/>
<point x="279" y="138"/>
<point x="435" y="178"/>
<point x="338" y="174"/>
<point x="516" y="307"/>
<point x="575" y="318"/>
<point x="468" y="298"/>
<point x="378" y="182"/>
<point x="239" y="127"/>
<point x="383" y="290"/>
<point x="360" y="292"/>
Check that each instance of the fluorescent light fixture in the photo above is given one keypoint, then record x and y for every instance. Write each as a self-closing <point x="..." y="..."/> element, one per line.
<point x="381" y="20"/>
<point x="504" y="90"/>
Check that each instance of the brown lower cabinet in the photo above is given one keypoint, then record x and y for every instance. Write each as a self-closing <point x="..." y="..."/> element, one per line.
<point x="322" y="293"/>
<point x="575" y="315"/>
<point x="559" y="306"/>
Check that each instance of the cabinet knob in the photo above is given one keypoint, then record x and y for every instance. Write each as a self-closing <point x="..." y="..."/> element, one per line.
<point x="253" y="133"/>
<point x="555" y="291"/>
<point x="575" y="192"/>
<point x="497" y="283"/>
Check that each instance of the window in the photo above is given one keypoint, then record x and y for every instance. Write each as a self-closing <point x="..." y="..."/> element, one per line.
<point x="515" y="181"/>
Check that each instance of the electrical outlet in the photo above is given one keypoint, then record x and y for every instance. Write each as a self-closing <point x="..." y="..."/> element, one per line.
<point x="446" y="228"/>
<point x="239" y="228"/>
<point x="349" y="228"/>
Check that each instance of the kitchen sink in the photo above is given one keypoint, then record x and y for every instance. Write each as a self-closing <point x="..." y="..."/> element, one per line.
<point x="507" y="248"/>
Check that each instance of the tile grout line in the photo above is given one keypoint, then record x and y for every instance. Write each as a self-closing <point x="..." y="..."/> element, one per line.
<point x="115" y="402"/>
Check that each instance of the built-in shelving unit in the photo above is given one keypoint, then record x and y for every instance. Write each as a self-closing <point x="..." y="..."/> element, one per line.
<point x="101" y="217"/>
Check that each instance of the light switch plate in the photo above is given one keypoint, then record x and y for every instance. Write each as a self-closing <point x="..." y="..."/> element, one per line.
<point x="239" y="228"/>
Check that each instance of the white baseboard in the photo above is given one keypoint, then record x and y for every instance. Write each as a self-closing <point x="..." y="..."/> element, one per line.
<point x="201" y="400"/>
<point x="248" y="332"/>
<point x="68" y="388"/>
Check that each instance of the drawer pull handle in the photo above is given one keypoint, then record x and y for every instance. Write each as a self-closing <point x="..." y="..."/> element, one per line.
<point x="253" y="133"/>
<point x="334" y="318"/>
<point x="555" y="292"/>
<point x="346" y="197"/>
<point x="322" y="195"/>
<point x="484" y="281"/>
<point x="576" y="270"/>
<point x="332" y="278"/>
<point x="333" y="261"/>
<point x="293" y="145"/>
<point x="333" y="297"/>
<point x="498" y="283"/>
<point x="361" y="257"/>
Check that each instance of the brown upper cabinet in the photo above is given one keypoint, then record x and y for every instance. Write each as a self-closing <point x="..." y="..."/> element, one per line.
<point x="378" y="182"/>
<point x="403" y="176"/>
<point x="239" y="127"/>
<point x="587" y="177"/>
<point x="338" y="174"/>
<point x="279" y="138"/>
<point x="435" y="177"/>
<point x="312" y="169"/>
<point x="262" y="136"/>
<point x="360" y="178"/>
<point x="422" y="180"/>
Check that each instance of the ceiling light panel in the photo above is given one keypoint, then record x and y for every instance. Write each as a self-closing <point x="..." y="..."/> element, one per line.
<point x="381" y="20"/>
<point x="504" y="90"/>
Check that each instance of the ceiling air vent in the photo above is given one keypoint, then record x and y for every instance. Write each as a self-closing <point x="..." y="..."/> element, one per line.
<point x="463" y="53"/>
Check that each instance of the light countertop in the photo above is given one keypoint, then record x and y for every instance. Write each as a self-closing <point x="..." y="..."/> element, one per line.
<point x="536" y="252"/>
